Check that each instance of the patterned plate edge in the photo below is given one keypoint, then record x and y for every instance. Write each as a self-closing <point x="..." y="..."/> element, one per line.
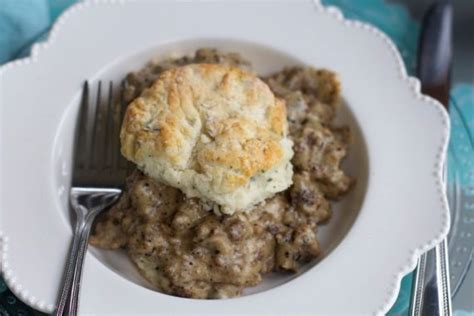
<point x="412" y="83"/>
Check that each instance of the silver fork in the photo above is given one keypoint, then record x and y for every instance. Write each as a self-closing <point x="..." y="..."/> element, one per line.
<point x="98" y="175"/>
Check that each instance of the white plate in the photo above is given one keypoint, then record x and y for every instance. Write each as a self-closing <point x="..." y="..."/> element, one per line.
<point x="397" y="210"/>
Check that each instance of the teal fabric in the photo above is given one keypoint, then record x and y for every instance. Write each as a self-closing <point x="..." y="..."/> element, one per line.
<point x="463" y="313"/>
<point x="22" y="22"/>
<point x="392" y="19"/>
<point x="461" y="146"/>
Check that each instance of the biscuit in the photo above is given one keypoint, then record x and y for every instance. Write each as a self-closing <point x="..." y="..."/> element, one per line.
<point x="215" y="132"/>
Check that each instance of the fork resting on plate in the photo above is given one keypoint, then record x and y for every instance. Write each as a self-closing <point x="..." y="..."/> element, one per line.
<point x="98" y="175"/>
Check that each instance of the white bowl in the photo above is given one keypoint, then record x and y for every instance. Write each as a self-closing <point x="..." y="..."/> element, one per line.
<point x="396" y="211"/>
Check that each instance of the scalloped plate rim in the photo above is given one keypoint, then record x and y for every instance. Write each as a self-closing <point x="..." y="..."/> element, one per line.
<point x="412" y="82"/>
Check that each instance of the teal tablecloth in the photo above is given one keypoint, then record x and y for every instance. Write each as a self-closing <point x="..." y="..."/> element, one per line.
<point x="22" y="22"/>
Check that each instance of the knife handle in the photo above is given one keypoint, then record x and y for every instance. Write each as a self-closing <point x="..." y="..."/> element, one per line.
<point x="431" y="289"/>
<point x="435" y="51"/>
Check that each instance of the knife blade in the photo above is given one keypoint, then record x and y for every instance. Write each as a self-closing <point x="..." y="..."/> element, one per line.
<point x="431" y="289"/>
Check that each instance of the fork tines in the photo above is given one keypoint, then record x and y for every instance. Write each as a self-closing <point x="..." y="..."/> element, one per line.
<point x="97" y="158"/>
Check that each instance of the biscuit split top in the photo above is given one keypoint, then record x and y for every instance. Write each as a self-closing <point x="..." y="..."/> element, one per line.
<point x="215" y="132"/>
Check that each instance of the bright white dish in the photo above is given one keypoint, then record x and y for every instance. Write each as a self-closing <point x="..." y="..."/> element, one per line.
<point x="397" y="210"/>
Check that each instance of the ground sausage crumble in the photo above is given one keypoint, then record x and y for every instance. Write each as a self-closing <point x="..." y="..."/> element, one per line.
<point x="182" y="248"/>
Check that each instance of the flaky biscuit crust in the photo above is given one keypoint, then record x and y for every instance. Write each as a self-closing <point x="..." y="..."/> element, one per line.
<point x="211" y="131"/>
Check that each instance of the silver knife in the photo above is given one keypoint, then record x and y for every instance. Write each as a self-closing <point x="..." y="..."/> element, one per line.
<point x="431" y="293"/>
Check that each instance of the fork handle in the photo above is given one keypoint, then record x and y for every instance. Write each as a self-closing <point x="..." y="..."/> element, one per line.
<point x="77" y="269"/>
<point x="69" y="295"/>
<point x="69" y="273"/>
<point x="87" y="204"/>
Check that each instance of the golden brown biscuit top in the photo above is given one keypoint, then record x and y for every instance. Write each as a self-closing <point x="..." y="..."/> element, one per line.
<point x="217" y="123"/>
